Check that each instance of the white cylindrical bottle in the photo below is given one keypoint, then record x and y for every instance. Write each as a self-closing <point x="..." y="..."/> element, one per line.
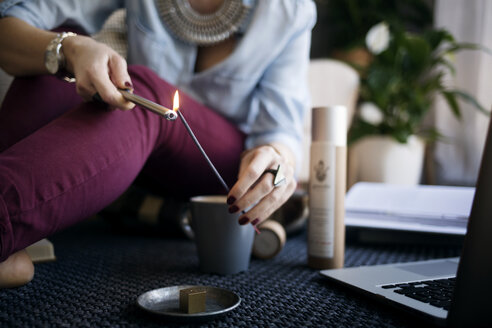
<point x="327" y="183"/>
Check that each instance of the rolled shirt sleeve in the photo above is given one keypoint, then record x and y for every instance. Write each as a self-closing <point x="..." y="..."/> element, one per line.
<point x="48" y="14"/>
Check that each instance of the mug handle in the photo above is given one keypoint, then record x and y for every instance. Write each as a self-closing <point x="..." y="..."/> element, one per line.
<point x="185" y="224"/>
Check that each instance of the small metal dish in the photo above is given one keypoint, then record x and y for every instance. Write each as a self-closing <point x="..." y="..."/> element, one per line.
<point x="165" y="302"/>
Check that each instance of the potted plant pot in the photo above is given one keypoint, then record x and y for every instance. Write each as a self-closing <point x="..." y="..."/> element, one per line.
<point x="383" y="159"/>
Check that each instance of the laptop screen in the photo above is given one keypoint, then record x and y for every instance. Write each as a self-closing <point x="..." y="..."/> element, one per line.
<point x="472" y="302"/>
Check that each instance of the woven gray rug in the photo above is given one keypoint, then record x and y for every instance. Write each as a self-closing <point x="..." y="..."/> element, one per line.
<point x="99" y="274"/>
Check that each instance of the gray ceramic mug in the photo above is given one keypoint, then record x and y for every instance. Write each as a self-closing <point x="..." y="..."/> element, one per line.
<point x="223" y="246"/>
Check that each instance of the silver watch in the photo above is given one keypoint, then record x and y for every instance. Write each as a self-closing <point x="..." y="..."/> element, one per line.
<point x="54" y="60"/>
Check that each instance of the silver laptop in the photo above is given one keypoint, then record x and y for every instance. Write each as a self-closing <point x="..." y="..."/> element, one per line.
<point x="454" y="291"/>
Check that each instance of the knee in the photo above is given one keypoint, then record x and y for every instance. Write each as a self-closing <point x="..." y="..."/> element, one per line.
<point x="149" y="85"/>
<point x="144" y="75"/>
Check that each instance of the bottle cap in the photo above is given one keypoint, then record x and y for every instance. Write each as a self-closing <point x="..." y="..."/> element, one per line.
<point x="270" y="241"/>
<point x="330" y="124"/>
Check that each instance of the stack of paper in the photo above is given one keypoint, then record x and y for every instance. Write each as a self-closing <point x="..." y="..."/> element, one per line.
<point x="437" y="209"/>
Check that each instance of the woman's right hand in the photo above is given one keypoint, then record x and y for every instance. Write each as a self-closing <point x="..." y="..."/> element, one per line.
<point x="97" y="69"/>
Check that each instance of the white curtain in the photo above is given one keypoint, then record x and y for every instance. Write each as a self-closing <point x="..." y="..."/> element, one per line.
<point x="457" y="160"/>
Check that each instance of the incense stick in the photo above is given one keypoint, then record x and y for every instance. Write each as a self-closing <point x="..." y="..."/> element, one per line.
<point x="197" y="143"/>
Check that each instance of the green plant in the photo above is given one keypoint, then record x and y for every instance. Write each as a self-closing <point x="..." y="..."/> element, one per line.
<point x="407" y="71"/>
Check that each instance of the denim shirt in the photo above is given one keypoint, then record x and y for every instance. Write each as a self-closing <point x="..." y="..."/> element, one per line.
<point x="261" y="87"/>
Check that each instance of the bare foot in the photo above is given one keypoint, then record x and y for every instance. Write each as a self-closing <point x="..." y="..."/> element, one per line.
<point x="16" y="270"/>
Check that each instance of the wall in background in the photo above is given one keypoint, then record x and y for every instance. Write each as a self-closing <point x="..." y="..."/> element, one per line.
<point x="457" y="161"/>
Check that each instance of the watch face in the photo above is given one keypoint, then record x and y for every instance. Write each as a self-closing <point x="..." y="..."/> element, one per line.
<point x="51" y="62"/>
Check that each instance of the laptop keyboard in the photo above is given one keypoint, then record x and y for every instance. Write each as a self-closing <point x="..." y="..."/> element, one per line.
<point x="434" y="292"/>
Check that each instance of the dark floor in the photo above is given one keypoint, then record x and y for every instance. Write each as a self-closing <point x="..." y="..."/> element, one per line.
<point x="99" y="274"/>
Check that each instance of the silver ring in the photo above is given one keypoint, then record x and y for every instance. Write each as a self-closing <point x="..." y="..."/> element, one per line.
<point x="278" y="176"/>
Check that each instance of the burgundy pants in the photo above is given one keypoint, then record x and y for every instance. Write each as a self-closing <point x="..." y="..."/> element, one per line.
<point x="62" y="160"/>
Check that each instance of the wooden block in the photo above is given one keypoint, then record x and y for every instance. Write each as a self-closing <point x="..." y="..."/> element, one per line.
<point x="41" y="251"/>
<point x="192" y="300"/>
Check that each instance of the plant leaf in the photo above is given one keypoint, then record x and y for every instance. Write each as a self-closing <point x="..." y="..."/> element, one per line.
<point x="446" y="63"/>
<point x="419" y="54"/>
<point x="466" y="46"/>
<point x="471" y="100"/>
<point x="451" y="100"/>
<point x="431" y="134"/>
<point x="436" y="37"/>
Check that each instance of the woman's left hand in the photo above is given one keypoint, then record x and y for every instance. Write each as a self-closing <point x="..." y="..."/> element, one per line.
<point x="255" y="187"/>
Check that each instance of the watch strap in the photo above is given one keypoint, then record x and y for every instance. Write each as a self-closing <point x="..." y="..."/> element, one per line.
<point x="54" y="47"/>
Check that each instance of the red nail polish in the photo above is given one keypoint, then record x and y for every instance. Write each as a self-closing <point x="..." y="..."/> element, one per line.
<point x="233" y="209"/>
<point x="243" y="220"/>
<point x="255" y="221"/>
<point x="231" y="200"/>
<point x="129" y="84"/>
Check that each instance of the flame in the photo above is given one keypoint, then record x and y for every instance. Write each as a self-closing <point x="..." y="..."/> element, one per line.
<point x="176" y="101"/>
